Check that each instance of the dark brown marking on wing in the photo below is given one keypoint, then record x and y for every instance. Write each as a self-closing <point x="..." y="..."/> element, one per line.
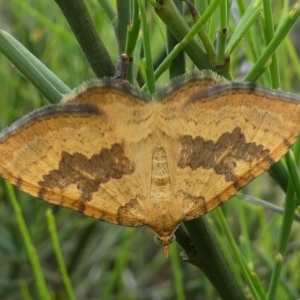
<point x="19" y="182"/>
<point x="80" y="206"/>
<point x="87" y="173"/>
<point x="194" y="200"/>
<point x="287" y="143"/>
<point x="41" y="193"/>
<point x="128" y="209"/>
<point x="230" y="147"/>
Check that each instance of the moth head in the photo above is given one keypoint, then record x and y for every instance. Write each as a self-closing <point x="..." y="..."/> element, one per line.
<point x="165" y="241"/>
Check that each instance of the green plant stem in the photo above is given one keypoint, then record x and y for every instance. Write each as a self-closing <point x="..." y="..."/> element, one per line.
<point x="79" y="19"/>
<point x="279" y="173"/>
<point x="175" y="23"/>
<point x="293" y="171"/>
<point x="257" y="285"/>
<point x="269" y="34"/>
<point x="36" y="72"/>
<point x="234" y="248"/>
<point x="109" y="10"/>
<point x="292" y="54"/>
<point x="132" y="45"/>
<point x="31" y="251"/>
<point x="184" y="240"/>
<point x="245" y="241"/>
<point x="58" y="254"/>
<point x="177" y="273"/>
<point x="134" y="65"/>
<point x="242" y="6"/>
<point x="207" y="44"/>
<point x="123" y="11"/>
<point x="251" y="14"/>
<point x="211" y="261"/>
<point x="186" y="40"/>
<point x="150" y="81"/>
<point x="177" y="66"/>
<point x="222" y="35"/>
<point x="265" y="59"/>
<point x="154" y="3"/>
<point x="133" y="30"/>
<point x="291" y="290"/>
<point x="287" y="221"/>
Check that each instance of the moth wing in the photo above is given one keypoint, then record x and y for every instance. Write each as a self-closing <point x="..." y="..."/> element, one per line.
<point x="83" y="154"/>
<point x="221" y="138"/>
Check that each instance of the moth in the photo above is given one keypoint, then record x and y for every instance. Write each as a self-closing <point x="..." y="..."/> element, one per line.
<point x="116" y="154"/>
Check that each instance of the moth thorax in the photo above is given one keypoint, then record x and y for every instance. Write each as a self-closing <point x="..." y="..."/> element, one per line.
<point x="160" y="177"/>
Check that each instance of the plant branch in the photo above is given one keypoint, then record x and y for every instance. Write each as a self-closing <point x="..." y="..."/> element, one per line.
<point x="80" y="21"/>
